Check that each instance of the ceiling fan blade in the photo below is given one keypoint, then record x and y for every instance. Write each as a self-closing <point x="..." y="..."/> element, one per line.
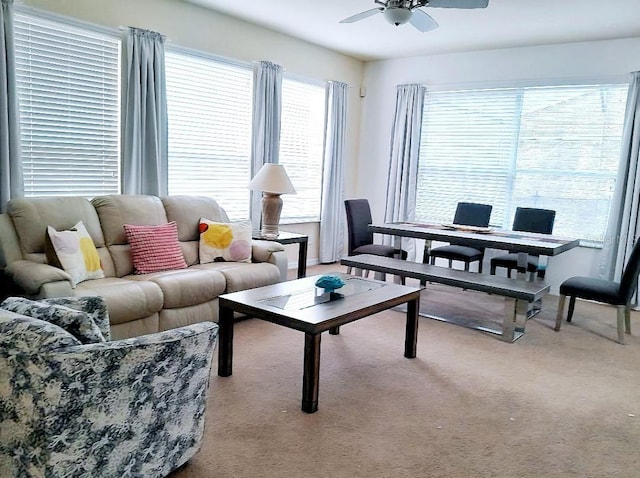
<point x="362" y="15"/>
<point x="458" y="3"/>
<point x="422" y="21"/>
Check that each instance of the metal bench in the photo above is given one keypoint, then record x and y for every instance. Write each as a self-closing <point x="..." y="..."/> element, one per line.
<point x="518" y="293"/>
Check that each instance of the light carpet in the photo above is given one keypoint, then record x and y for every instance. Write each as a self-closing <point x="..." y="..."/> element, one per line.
<point x="552" y="404"/>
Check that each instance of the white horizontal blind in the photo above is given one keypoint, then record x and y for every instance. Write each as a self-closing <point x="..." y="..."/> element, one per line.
<point x="68" y="90"/>
<point x="301" y="148"/>
<point x="209" y="105"/>
<point x="549" y="147"/>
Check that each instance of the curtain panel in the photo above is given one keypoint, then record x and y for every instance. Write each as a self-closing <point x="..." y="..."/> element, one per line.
<point x="11" y="183"/>
<point x="332" y="203"/>
<point x="267" y="108"/>
<point x="144" y="114"/>
<point x="623" y="229"/>
<point x="403" y="162"/>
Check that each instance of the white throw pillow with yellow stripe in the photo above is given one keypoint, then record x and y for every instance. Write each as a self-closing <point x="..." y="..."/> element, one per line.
<point x="75" y="252"/>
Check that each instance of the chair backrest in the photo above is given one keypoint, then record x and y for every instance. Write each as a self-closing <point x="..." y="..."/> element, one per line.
<point x="358" y="220"/>
<point x="629" y="280"/>
<point x="530" y="219"/>
<point x="472" y="214"/>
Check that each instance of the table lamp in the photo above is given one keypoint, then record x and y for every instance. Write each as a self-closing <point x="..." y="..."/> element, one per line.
<point x="273" y="181"/>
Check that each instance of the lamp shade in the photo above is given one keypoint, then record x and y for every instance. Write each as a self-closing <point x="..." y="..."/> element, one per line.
<point x="272" y="178"/>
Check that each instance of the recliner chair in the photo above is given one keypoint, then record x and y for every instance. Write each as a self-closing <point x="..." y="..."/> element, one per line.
<point x="74" y="403"/>
<point x="467" y="214"/>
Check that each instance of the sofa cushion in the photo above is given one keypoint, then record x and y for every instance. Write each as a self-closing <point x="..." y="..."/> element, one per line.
<point x="227" y="241"/>
<point x="116" y="210"/>
<point x="73" y="250"/>
<point x="154" y="248"/>
<point x="76" y="322"/>
<point x="186" y="211"/>
<point x="31" y="216"/>
<point x="242" y="275"/>
<point x="186" y="287"/>
<point x="126" y="300"/>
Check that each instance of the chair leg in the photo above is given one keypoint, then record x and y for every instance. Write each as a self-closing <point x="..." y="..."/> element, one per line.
<point x="560" y="312"/>
<point x="466" y="266"/>
<point x="450" y="264"/>
<point x="492" y="271"/>
<point x="480" y="265"/>
<point x="572" y="305"/>
<point x="349" y="270"/>
<point x="509" y="272"/>
<point x="627" y="319"/>
<point x="621" y="319"/>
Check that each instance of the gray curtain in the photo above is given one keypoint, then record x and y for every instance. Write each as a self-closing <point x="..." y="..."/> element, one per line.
<point x="623" y="228"/>
<point x="144" y="114"/>
<point x="267" y="107"/>
<point x="403" y="163"/>
<point x="11" y="184"/>
<point x="332" y="210"/>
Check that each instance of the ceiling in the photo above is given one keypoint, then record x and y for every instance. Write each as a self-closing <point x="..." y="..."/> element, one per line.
<point x="503" y="24"/>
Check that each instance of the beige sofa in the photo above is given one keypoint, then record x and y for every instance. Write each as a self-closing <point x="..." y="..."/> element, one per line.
<point x="137" y="304"/>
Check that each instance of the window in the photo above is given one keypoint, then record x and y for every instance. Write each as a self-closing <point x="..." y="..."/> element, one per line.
<point x="547" y="147"/>
<point x="68" y="92"/>
<point x="209" y="105"/>
<point x="301" y="147"/>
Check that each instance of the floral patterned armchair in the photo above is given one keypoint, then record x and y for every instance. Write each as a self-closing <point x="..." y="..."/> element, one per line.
<point x="73" y="403"/>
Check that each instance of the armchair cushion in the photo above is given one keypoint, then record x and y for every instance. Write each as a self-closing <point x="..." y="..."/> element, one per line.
<point x="76" y="322"/>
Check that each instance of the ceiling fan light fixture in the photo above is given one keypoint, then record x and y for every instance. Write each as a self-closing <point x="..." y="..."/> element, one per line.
<point x="397" y="16"/>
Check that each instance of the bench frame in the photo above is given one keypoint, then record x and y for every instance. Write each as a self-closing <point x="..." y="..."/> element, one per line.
<point x="519" y="294"/>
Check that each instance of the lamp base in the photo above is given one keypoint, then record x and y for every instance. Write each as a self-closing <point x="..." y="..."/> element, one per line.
<point x="271" y="209"/>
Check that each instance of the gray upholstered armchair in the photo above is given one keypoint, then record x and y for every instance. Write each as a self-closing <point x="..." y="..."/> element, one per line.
<point x="73" y="403"/>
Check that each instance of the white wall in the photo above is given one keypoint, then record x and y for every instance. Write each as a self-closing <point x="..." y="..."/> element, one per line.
<point x="195" y="27"/>
<point x="567" y="63"/>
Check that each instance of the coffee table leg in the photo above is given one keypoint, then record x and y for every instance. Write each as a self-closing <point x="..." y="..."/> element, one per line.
<point x="411" y="334"/>
<point x="225" y="342"/>
<point x="311" y="378"/>
<point x="335" y="330"/>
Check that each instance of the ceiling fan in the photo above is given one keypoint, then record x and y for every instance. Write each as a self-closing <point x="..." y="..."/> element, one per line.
<point x="399" y="12"/>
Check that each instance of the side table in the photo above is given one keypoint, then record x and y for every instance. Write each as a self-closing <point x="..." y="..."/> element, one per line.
<point x="285" y="237"/>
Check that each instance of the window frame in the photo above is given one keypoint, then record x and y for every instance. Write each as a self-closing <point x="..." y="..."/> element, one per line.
<point x="292" y="199"/>
<point x="114" y="163"/>
<point x="514" y="170"/>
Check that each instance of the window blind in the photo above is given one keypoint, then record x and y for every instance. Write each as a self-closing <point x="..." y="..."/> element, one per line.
<point x="301" y="147"/>
<point x="209" y="106"/>
<point x="68" y="90"/>
<point x="548" y="147"/>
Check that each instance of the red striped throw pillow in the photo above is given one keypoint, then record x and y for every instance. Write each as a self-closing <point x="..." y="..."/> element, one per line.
<point x="154" y="248"/>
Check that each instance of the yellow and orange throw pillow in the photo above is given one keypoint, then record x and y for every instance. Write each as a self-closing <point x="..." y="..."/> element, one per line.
<point x="225" y="241"/>
<point x="75" y="252"/>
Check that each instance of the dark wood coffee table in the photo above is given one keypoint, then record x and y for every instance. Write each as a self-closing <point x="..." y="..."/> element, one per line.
<point x="299" y="305"/>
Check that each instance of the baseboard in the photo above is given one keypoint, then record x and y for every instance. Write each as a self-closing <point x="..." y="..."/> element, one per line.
<point x="311" y="262"/>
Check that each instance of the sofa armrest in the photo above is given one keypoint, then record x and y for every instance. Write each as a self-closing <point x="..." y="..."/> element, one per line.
<point x="271" y="252"/>
<point x="31" y="276"/>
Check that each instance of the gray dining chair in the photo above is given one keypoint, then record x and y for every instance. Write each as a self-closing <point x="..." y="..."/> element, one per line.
<point x="606" y="291"/>
<point x="360" y="237"/>
<point x="527" y="219"/>
<point x="467" y="214"/>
